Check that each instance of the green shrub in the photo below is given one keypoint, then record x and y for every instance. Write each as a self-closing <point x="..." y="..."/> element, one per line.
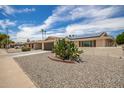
<point x="66" y="50"/>
<point x="24" y="49"/>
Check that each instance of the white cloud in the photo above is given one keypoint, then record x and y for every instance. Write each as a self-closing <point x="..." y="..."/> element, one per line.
<point x="25" y="10"/>
<point x="106" y="25"/>
<point x="57" y="16"/>
<point x="29" y="31"/>
<point x="96" y="19"/>
<point x="92" y="12"/>
<point x="9" y="10"/>
<point x="71" y="13"/>
<point x="6" y="22"/>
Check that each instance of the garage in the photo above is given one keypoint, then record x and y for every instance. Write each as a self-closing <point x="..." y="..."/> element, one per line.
<point x="38" y="46"/>
<point x="48" y="45"/>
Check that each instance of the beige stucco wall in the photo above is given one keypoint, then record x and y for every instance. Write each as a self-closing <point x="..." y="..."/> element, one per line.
<point x="27" y="45"/>
<point x="109" y="43"/>
<point x="100" y="43"/>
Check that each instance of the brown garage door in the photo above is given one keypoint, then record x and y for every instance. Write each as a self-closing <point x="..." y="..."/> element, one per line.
<point x="48" y="46"/>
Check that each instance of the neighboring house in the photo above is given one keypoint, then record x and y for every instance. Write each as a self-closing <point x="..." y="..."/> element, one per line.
<point x="46" y="44"/>
<point x="10" y="45"/>
<point x="99" y="40"/>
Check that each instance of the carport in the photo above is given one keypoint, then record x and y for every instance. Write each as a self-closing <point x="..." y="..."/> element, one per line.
<point x="38" y="46"/>
<point x="48" y="45"/>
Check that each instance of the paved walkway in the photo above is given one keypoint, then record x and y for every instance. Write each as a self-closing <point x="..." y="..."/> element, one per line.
<point x="11" y="75"/>
<point x="19" y="54"/>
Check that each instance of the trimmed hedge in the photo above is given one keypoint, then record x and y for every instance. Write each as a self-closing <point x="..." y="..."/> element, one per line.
<point x="24" y="49"/>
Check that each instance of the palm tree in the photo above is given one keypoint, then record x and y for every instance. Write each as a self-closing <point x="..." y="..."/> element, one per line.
<point x="43" y="32"/>
<point x="28" y="40"/>
<point x="69" y="36"/>
<point x="73" y="36"/>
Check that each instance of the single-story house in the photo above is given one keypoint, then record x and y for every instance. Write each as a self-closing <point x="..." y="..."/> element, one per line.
<point x="46" y="44"/>
<point x="99" y="40"/>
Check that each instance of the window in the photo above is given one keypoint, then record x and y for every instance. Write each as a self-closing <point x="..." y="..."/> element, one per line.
<point x="87" y="43"/>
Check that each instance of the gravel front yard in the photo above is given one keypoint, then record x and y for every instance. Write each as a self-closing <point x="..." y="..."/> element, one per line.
<point x="96" y="71"/>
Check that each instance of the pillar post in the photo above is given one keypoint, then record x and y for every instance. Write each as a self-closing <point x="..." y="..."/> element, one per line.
<point x="42" y="45"/>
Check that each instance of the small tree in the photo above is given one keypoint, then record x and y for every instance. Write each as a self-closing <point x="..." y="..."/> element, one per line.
<point x="3" y="36"/>
<point x="66" y="50"/>
<point x="3" y="39"/>
<point x="120" y="38"/>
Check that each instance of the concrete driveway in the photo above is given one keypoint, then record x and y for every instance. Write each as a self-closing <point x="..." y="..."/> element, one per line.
<point x="11" y="75"/>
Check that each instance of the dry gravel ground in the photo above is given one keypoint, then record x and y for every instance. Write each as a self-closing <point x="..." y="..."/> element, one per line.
<point x="95" y="71"/>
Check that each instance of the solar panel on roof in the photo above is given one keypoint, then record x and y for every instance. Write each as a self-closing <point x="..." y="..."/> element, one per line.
<point x="85" y="36"/>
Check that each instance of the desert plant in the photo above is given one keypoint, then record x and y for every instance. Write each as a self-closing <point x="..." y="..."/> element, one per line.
<point x="66" y="50"/>
<point x="24" y="49"/>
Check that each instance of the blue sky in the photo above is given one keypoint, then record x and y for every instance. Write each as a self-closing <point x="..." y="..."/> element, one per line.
<point x="24" y="21"/>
